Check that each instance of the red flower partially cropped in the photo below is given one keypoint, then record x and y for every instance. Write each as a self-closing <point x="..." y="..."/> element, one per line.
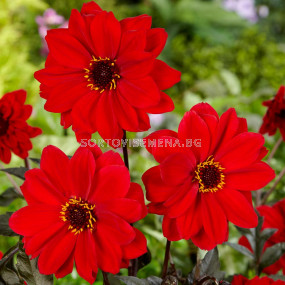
<point x="241" y="280"/>
<point x="15" y="133"/>
<point x="205" y="176"/>
<point x="275" y="116"/>
<point x="79" y="210"/>
<point x="274" y="217"/>
<point x="102" y="74"/>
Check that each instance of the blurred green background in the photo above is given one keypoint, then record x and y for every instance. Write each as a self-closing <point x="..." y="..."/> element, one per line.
<point x="230" y="55"/>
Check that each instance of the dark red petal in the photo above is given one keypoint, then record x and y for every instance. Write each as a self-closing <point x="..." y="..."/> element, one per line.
<point x="252" y="178"/>
<point x="164" y="75"/>
<point x="156" y="40"/>
<point x="85" y="256"/>
<point x="136" y="193"/>
<point x="193" y="218"/>
<point x="156" y="189"/>
<point x="165" y="105"/>
<point x="205" y="109"/>
<point x="132" y="41"/>
<point x="193" y="127"/>
<point x="30" y="220"/>
<point x="81" y="171"/>
<point x="157" y="135"/>
<point x="237" y="208"/>
<point x="90" y="7"/>
<point x="105" y="32"/>
<point x="126" y="114"/>
<point x="227" y="129"/>
<point x="105" y="119"/>
<point x="109" y="158"/>
<point x="110" y="182"/>
<point x="66" y="268"/>
<point x="67" y="50"/>
<point x="140" y="93"/>
<point x="272" y="217"/>
<point x="240" y="152"/>
<point x="127" y="209"/>
<point x="183" y="200"/>
<point x="142" y="22"/>
<point x="214" y="219"/>
<point x="203" y="240"/>
<point x="56" y="253"/>
<point x="37" y="189"/>
<point x="137" y="247"/>
<point x="177" y="168"/>
<point x="5" y="154"/>
<point x="52" y="157"/>
<point x="135" y="64"/>
<point x="109" y="254"/>
<point x="170" y="229"/>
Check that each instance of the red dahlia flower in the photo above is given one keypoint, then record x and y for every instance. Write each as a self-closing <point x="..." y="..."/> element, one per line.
<point x="275" y="116"/>
<point x="15" y="133"/>
<point x="80" y="209"/>
<point x="274" y="217"/>
<point x="200" y="189"/>
<point x="241" y="280"/>
<point x="102" y="74"/>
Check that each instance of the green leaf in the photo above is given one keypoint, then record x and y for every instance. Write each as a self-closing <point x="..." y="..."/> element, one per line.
<point x="209" y="266"/>
<point x="29" y="272"/>
<point x="10" y="277"/>
<point x="272" y="254"/>
<point x="5" y="230"/>
<point x="8" y="255"/>
<point x="144" y="260"/>
<point x="8" y="196"/>
<point x="241" y="249"/>
<point x="35" y="160"/>
<point x="18" y="171"/>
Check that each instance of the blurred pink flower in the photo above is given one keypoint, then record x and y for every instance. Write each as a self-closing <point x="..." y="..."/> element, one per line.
<point x="50" y="19"/>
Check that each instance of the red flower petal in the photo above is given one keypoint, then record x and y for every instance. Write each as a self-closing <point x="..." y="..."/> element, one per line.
<point x="67" y="50"/>
<point x="30" y="220"/>
<point x="170" y="229"/>
<point x="177" y="168"/>
<point x="192" y="126"/>
<point x="165" y="105"/>
<point x="252" y="178"/>
<point x="52" y="157"/>
<point x="132" y="41"/>
<point x="156" y="189"/>
<point x="237" y="208"/>
<point x="109" y="158"/>
<point x="135" y="64"/>
<point x="214" y="220"/>
<point x="240" y="152"/>
<point x="57" y="253"/>
<point x="142" y="22"/>
<point x="203" y="241"/>
<point x="140" y="93"/>
<point x="90" y="7"/>
<point x="164" y="75"/>
<point x="156" y="40"/>
<point x="105" y="32"/>
<point x="81" y="171"/>
<point x="111" y="181"/>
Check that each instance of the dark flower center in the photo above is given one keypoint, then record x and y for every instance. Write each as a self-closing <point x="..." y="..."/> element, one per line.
<point x="4" y="125"/>
<point x="102" y="74"/>
<point x="210" y="175"/>
<point x="79" y="214"/>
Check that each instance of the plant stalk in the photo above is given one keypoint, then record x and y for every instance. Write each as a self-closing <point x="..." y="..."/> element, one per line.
<point x="166" y="259"/>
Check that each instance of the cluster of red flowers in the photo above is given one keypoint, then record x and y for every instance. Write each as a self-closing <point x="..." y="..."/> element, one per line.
<point x="274" y="218"/>
<point x="102" y="75"/>
<point x="241" y="280"/>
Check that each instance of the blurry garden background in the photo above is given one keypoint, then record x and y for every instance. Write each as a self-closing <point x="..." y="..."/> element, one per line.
<point x="231" y="54"/>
